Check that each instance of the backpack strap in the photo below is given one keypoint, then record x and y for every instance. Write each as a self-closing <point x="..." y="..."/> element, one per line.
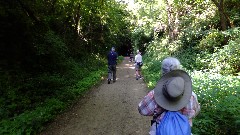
<point x="155" y="116"/>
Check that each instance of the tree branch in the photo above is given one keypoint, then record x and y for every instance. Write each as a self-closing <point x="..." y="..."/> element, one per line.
<point x="28" y="11"/>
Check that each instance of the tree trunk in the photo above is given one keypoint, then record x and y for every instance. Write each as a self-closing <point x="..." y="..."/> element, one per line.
<point x="169" y="26"/>
<point x="224" y="19"/>
<point x="28" y="11"/>
<point x="77" y="20"/>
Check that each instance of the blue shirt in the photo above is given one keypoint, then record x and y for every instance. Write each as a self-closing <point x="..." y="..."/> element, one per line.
<point x="112" y="58"/>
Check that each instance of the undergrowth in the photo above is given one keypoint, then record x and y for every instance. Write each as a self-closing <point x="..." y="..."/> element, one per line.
<point x="47" y="95"/>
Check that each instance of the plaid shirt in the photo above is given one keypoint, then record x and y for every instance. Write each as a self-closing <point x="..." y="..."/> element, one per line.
<point x="148" y="105"/>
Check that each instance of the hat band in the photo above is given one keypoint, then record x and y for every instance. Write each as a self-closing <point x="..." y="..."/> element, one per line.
<point x="166" y="94"/>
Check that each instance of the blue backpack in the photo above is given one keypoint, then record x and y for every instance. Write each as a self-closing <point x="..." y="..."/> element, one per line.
<point x="173" y="123"/>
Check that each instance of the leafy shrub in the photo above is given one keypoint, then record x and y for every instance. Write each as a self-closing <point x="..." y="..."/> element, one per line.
<point x="211" y="42"/>
<point x="31" y="122"/>
<point x="52" y="44"/>
<point x="224" y="60"/>
<point x="188" y="58"/>
<point x="24" y="96"/>
<point x="219" y="103"/>
<point x="120" y="58"/>
<point x="190" y="37"/>
<point x="142" y="36"/>
<point x="218" y="98"/>
<point x="155" y="53"/>
<point x="51" y="52"/>
<point x="227" y="59"/>
<point x="151" y="71"/>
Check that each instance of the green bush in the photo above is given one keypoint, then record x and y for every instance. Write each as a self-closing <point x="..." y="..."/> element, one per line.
<point x="211" y="42"/>
<point x="51" y="52"/>
<point x="32" y="121"/>
<point x="24" y="96"/>
<point x="190" y="37"/>
<point x="219" y="103"/>
<point x="224" y="60"/>
<point x="188" y="58"/>
<point x="218" y="97"/>
<point x="227" y="59"/>
<point x="155" y="53"/>
<point x="142" y="36"/>
<point x="151" y="71"/>
<point x="120" y="59"/>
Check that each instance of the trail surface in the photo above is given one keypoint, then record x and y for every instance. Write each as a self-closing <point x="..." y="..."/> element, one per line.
<point x="107" y="109"/>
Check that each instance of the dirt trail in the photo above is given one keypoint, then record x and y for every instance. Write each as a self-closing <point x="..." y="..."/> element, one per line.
<point x="108" y="109"/>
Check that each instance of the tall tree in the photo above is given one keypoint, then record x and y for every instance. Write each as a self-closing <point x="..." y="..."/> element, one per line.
<point x="224" y="18"/>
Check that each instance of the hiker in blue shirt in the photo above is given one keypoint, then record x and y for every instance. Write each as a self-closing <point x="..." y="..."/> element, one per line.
<point x="112" y="62"/>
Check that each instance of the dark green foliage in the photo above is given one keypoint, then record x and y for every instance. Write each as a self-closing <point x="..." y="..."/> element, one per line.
<point x="50" y="53"/>
<point x="217" y="57"/>
<point x="32" y="121"/>
<point x="188" y="58"/>
<point x="50" y="49"/>
<point x="205" y="60"/>
<point x="141" y="38"/>
<point x="211" y="42"/>
<point x="218" y="96"/>
<point x="209" y="55"/>
<point x="155" y="53"/>
<point x="28" y="91"/>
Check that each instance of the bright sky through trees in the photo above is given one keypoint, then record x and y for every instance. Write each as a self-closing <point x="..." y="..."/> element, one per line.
<point x="130" y="3"/>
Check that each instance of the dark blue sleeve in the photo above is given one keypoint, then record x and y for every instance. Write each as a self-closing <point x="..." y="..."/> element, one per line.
<point x="116" y="56"/>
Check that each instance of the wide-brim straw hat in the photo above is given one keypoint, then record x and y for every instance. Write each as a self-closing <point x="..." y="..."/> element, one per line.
<point x="173" y="91"/>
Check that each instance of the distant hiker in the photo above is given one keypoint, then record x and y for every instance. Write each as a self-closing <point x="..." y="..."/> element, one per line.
<point x="172" y="103"/>
<point x="138" y="64"/>
<point x="131" y="57"/>
<point x="112" y="63"/>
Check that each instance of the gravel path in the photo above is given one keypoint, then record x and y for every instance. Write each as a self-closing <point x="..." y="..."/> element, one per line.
<point x="107" y="109"/>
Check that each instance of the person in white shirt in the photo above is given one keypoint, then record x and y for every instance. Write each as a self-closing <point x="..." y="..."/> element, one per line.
<point x="138" y="64"/>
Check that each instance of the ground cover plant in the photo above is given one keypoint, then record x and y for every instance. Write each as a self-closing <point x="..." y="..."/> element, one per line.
<point x="32" y="119"/>
<point x="218" y="96"/>
<point x="50" y="53"/>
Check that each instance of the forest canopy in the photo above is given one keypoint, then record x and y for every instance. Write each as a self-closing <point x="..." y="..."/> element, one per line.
<point x="51" y="51"/>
